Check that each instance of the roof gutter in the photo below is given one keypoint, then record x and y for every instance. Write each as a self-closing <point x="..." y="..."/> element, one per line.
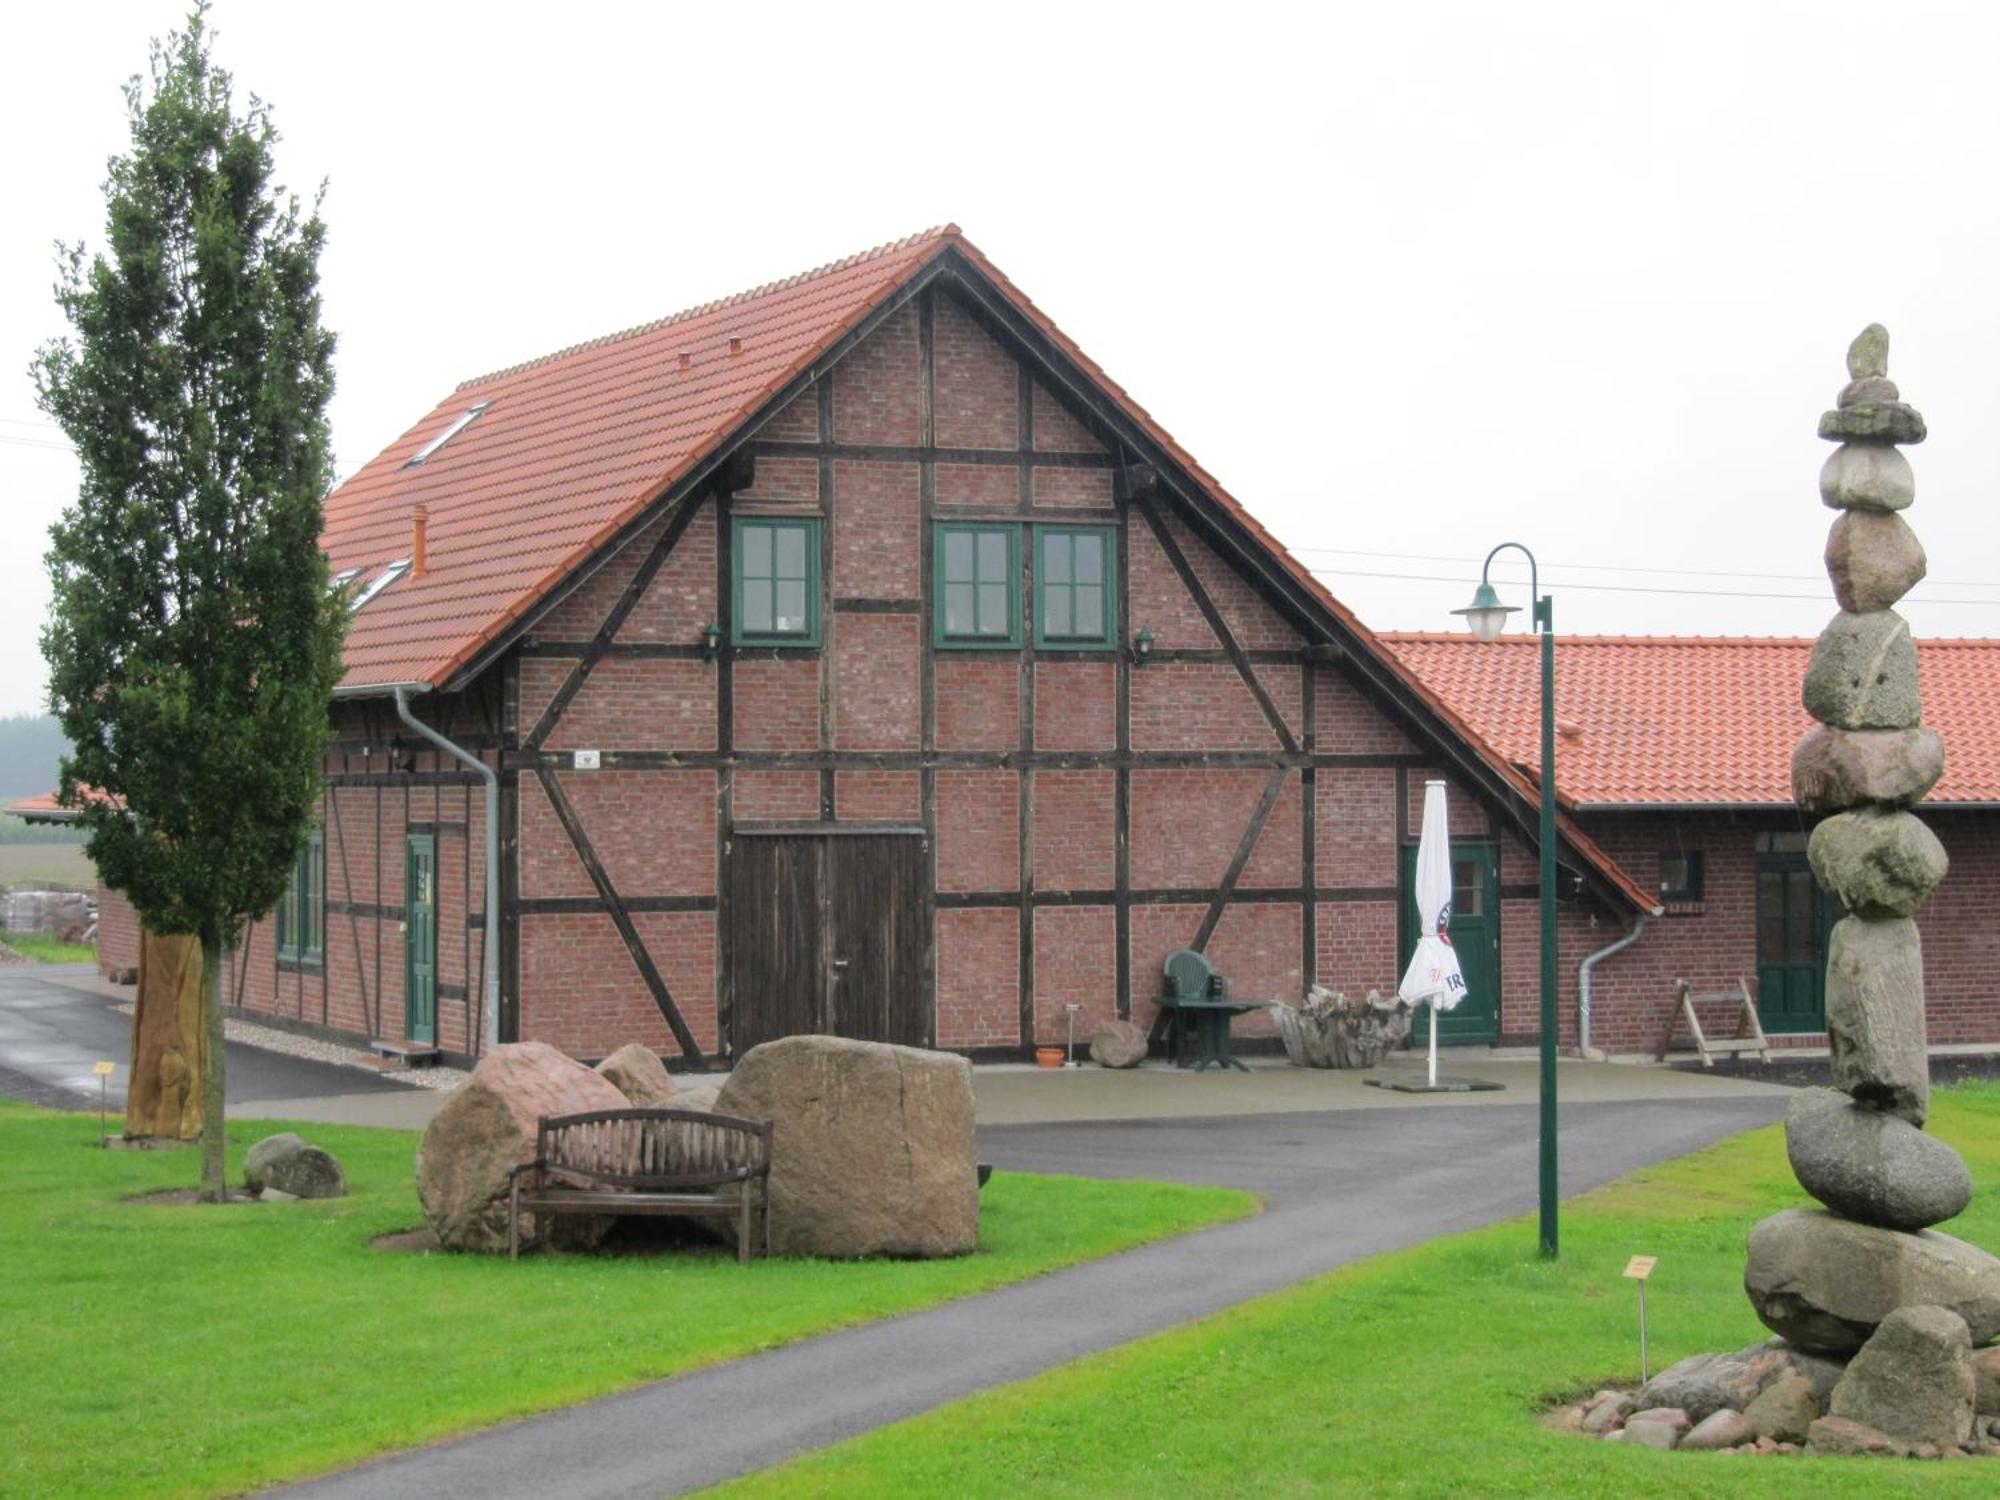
<point x="379" y="689"/>
<point x="488" y="957"/>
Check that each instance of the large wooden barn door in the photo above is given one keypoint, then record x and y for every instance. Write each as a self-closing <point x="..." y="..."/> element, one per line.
<point x="778" y="939"/>
<point x="876" y="958"/>
<point x="828" y="937"/>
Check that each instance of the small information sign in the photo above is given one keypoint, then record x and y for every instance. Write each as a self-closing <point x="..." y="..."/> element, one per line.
<point x="1639" y="1267"/>
<point x="103" y="1069"/>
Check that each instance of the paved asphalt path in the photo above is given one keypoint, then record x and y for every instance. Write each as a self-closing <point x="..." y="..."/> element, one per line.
<point x="1339" y="1186"/>
<point x="51" y="1033"/>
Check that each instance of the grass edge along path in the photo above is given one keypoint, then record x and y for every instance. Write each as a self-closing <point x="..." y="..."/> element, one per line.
<point x="44" y="948"/>
<point x="198" y="1350"/>
<point x="1419" y="1372"/>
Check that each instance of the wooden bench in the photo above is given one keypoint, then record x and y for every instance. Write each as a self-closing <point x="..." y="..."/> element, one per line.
<point x="1749" y="1030"/>
<point x="674" y="1162"/>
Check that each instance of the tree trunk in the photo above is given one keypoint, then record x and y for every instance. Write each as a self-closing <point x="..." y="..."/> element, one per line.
<point x="164" y="1100"/>
<point x="214" y="1177"/>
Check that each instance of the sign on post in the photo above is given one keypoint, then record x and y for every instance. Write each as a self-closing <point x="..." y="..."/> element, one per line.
<point x="1640" y="1268"/>
<point x="103" y="1070"/>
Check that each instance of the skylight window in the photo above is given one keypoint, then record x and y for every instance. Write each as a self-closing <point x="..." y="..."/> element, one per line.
<point x="380" y="582"/>
<point x="447" y="435"/>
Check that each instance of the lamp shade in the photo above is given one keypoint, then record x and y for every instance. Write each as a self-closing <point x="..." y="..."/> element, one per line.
<point x="1486" y="614"/>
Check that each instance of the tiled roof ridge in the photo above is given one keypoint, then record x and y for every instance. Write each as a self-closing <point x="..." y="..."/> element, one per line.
<point x="1450" y="637"/>
<point x="734" y="299"/>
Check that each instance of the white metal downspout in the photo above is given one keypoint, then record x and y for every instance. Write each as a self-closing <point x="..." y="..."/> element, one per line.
<point x="1583" y="982"/>
<point x="489" y="953"/>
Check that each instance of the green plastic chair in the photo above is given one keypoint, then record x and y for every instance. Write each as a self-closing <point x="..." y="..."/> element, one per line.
<point x="1189" y="976"/>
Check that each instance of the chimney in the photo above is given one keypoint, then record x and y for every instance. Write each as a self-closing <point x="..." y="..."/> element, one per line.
<point x="736" y="346"/>
<point x="686" y="359"/>
<point x="420" y="526"/>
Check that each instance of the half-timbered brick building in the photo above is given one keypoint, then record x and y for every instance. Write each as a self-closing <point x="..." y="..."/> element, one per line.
<point x="854" y="655"/>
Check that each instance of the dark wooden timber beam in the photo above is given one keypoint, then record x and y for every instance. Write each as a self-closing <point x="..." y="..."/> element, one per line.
<point x="1221" y="628"/>
<point x="1244" y="849"/>
<point x="620" y="917"/>
<point x="615" y="617"/>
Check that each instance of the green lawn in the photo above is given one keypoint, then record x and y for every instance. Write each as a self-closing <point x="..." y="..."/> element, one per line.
<point x="44" y="949"/>
<point x="156" y="1351"/>
<point x="1418" y="1373"/>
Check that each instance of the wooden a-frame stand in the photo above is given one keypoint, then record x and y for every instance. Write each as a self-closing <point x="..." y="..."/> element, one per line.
<point x="1749" y="1030"/>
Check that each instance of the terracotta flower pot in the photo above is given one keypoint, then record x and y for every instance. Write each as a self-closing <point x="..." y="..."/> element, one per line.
<point x="1048" y="1057"/>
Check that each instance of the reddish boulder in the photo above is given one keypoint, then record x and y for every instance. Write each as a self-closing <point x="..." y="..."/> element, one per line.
<point x="486" y="1128"/>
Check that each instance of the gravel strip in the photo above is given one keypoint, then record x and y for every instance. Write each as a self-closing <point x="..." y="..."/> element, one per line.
<point x="317" y="1049"/>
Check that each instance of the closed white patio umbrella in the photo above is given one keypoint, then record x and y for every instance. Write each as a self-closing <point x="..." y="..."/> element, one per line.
<point x="1433" y="975"/>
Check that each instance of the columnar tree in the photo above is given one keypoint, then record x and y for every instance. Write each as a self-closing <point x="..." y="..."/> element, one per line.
<point x="195" y="638"/>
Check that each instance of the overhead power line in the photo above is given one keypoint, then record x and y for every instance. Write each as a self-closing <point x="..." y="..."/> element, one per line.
<point x="1619" y="588"/>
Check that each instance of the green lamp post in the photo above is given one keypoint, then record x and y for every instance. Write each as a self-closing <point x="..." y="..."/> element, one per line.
<point x="1487" y="615"/>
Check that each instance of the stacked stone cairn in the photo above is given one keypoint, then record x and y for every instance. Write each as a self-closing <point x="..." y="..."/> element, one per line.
<point x="1884" y="1324"/>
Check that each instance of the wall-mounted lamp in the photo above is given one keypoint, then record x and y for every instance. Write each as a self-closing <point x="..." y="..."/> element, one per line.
<point x="1142" y="647"/>
<point x="711" y="641"/>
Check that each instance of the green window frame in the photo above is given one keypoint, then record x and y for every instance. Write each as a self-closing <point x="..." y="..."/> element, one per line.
<point x="1076" y="588"/>
<point x="302" y="909"/>
<point x="774" y="581"/>
<point x="976" y="586"/>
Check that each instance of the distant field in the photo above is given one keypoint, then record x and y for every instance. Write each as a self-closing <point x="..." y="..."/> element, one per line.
<point x="46" y="867"/>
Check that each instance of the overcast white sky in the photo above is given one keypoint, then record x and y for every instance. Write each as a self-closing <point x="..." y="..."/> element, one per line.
<point x="1410" y="280"/>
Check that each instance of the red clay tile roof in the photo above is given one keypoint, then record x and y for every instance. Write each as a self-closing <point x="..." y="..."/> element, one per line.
<point x="573" y="446"/>
<point x="45" y="808"/>
<point x="1687" y="720"/>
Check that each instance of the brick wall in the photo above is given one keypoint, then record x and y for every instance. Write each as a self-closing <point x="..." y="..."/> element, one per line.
<point x="117" y="932"/>
<point x="359" y="986"/>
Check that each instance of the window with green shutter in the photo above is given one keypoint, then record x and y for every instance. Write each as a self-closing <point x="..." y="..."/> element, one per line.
<point x="775" y="573"/>
<point x="977" y="586"/>
<point x="302" y="909"/>
<point x="1076" y="592"/>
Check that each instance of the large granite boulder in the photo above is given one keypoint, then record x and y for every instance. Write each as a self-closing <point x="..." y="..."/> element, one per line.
<point x="1826" y="1284"/>
<point x="637" y="1072"/>
<point x="1833" y="769"/>
<point x="289" y="1164"/>
<point x="1863" y="673"/>
<point x="1873" y="559"/>
<point x="487" y="1127"/>
<point x="1867" y="476"/>
<point x="871" y="1146"/>
<point x="1875" y="1015"/>
<point x="1879" y="862"/>
<point x="1118" y="1044"/>
<point x="1871" y="1166"/>
<point x="1703" y="1384"/>
<point x="1912" y="1380"/>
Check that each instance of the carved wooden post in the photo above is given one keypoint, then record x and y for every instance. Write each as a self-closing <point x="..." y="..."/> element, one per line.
<point x="163" y="1100"/>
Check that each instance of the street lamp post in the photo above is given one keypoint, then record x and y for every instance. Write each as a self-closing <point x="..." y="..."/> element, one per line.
<point x="1487" y="615"/>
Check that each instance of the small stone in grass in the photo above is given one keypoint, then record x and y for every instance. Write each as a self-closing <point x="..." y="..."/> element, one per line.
<point x="1651" y="1433"/>
<point x="1719" y="1429"/>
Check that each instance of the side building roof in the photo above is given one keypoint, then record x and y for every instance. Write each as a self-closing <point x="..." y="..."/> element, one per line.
<point x="1691" y="721"/>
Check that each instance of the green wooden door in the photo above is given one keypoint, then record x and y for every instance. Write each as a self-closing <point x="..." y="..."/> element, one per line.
<point x="1475" y="937"/>
<point x="420" y="938"/>
<point x="1793" y="920"/>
